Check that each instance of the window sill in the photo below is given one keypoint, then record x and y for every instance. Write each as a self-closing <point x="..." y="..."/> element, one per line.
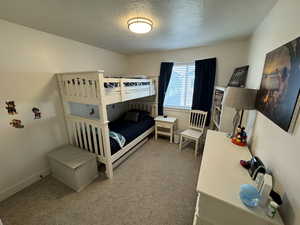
<point x="168" y="108"/>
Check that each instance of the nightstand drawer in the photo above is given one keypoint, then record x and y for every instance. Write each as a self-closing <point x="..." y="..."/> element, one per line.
<point x="164" y="125"/>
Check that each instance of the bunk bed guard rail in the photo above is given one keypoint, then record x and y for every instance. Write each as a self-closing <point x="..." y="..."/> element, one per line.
<point x="87" y="88"/>
<point x="87" y="134"/>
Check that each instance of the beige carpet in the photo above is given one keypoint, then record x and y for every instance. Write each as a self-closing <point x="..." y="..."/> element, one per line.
<point x="154" y="186"/>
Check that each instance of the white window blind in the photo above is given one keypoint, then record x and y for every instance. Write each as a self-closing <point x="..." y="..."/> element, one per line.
<point x="181" y="87"/>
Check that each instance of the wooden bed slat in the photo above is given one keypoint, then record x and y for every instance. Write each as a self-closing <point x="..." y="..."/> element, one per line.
<point x="101" y="142"/>
<point x="95" y="145"/>
<point x="84" y="133"/>
<point x="90" y="148"/>
<point x="78" y="126"/>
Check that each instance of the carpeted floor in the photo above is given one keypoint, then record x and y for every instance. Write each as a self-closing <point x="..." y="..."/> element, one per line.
<point x="154" y="186"/>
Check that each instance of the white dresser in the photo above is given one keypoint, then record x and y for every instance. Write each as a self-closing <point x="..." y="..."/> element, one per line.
<point x="220" y="178"/>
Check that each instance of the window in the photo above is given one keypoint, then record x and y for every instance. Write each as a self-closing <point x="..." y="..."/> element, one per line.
<point x="181" y="87"/>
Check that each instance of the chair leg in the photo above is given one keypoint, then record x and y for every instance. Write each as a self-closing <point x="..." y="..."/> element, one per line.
<point x="196" y="148"/>
<point x="180" y="143"/>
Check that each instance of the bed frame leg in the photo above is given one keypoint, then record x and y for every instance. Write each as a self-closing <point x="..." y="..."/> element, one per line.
<point x="109" y="170"/>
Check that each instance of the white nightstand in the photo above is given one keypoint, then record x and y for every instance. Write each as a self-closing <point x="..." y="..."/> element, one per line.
<point x="168" y="124"/>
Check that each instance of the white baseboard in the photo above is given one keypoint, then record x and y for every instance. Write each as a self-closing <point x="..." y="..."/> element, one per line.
<point x="23" y="184"/>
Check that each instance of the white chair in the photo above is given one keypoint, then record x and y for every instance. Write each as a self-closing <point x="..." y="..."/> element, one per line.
<point x="197" y="124"/>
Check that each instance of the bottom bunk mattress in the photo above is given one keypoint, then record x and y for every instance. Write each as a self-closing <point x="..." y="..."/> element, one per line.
<point x="129" y="129"/>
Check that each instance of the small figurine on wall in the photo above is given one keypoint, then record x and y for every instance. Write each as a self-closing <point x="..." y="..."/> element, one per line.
<point x="241" y="137"/>
<point x="11" y="107"/>
<point x="16" y="123"/>
<point x="37" y="113"/>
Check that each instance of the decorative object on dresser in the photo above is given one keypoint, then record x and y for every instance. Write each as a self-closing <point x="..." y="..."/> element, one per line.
<point x="73" y="166"/>
<point x="165" y="125"/>
<point x="197" y="125"/>
<point x="241" y="137"/>
<point x="239" y="99"/>
<point x="219" y="181"/>
<point x="239" y="77"/>
<point x="278" y="96"/>
<point x="91" y="132"/>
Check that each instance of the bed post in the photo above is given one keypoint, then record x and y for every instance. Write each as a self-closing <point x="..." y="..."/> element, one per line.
<point x="105" y="133"/>
<point x="60" y="91"/>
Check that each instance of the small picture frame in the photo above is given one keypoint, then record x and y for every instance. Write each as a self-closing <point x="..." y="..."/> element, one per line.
<point x="239" y="77"/>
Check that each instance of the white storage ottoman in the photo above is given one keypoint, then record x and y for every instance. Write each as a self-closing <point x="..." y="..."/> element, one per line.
<point x="73" y="166"/>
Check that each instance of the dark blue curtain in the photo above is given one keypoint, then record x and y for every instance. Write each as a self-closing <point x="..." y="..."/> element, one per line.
<point x="205" y="71"/>
<point x="164" y="79"/>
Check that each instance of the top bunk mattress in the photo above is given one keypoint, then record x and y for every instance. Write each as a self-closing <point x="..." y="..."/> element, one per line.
<point x="130" y="130"/>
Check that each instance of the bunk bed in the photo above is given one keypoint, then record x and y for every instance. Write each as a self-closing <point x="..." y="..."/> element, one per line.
<point x="92" y="134"/>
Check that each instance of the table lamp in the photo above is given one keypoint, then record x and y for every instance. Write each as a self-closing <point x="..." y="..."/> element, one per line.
<point x="239" y="99"/>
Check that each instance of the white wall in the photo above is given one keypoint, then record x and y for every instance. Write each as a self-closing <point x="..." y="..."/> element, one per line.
<point x="28" y="61"/>
<point x="278" y="149"/>
<point x="230" y="54"/>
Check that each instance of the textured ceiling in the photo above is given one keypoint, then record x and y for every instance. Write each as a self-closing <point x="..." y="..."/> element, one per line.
<point x="103" y="23"/>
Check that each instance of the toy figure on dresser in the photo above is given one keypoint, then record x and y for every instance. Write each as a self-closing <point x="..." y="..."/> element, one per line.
<point x="241" y="137"/>
<point x="11" y="108"/>
<point x="16" y="123"/>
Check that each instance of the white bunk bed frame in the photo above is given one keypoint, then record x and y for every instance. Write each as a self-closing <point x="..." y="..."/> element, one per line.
<point x="93" y="88"/>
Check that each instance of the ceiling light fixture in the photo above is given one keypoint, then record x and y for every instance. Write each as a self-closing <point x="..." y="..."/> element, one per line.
<point x="140" y="25"/>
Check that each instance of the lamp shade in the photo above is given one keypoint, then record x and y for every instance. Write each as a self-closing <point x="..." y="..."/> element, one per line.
<point x="239" y="98"/>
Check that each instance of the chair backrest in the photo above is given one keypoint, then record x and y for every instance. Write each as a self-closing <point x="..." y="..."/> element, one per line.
<point x="197" y="119"/>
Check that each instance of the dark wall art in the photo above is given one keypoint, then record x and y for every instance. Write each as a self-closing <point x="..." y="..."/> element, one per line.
<point x="16" y="123"/>
<point x="278" y="98"/>
<point x="37" y="113"/>
<point x="11" y="107"/>
<point x="239" y="77"/>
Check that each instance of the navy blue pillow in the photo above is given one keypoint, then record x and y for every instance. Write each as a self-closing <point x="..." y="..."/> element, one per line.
<point x="142" y="114"/>
<point x="132" y="116"/>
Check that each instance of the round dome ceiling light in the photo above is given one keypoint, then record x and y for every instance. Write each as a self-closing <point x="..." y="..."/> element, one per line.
<point x="140" y="25"/>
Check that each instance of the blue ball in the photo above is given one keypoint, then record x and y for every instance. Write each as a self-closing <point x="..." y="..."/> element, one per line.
<point x="249" y="195"/>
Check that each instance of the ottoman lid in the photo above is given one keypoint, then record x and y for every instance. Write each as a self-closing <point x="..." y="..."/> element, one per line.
<point x="71" y="156"/>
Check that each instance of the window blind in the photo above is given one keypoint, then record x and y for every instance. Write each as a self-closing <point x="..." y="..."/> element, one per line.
<point x="181" y="87"/>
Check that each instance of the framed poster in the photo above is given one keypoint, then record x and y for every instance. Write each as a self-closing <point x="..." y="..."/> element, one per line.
<point x="278" y="97"/>
<point x="239" y="77"/>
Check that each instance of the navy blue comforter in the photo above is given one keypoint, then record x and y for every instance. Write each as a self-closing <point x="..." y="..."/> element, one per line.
<point x="130" y="130"/>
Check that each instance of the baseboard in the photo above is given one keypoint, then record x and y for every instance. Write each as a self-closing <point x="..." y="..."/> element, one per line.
<point x="23" y="184"/>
